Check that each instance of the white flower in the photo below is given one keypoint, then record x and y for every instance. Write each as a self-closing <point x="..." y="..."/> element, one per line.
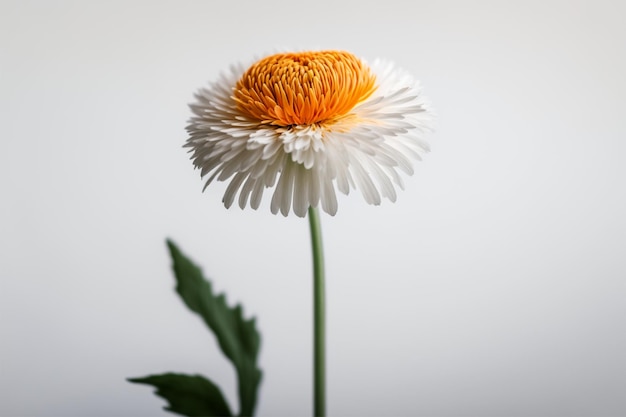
<point x="307" y="124"/>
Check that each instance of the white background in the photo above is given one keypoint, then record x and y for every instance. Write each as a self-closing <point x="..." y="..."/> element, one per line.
<point x="495" y="286"/>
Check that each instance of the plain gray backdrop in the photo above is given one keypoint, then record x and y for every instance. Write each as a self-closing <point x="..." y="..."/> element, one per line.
<point x="495" y="286"/>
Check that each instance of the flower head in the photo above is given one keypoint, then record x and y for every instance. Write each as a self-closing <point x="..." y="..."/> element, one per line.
<point x="307" y="124"/>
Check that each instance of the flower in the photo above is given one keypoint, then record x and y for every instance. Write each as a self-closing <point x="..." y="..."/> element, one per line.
<point x="307" y="124"/>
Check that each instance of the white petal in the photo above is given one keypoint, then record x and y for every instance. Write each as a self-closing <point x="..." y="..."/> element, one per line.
<point x="364" y="182"/>
<point x="329" y="198"/>
<point x="281" y="200"/>
<point x="233" y="187"/>
<point x="257" y="194"/>
<point x="247" y="188"/>
<point x="301" y="190"/>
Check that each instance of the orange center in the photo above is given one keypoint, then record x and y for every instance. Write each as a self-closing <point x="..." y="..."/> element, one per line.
<point x="303" y="88"/>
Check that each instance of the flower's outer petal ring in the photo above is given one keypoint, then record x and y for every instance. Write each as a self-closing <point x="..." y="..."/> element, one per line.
<point x="367" y="149"/>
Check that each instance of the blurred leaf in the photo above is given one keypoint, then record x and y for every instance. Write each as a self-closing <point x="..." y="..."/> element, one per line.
<point x="189" y="395"/>
<point x="238" y="338"/>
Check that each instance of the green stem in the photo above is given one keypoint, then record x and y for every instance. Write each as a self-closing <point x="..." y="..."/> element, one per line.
<point x="319" y="317"/>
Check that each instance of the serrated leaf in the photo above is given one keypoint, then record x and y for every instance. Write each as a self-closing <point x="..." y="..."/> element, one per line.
<point x="189" y="395"/>
<point x="237" y="338"/>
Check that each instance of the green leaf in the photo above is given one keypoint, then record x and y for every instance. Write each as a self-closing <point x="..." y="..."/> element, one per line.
<point x="238" y="338"/>
<point x="189" y="395"/>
